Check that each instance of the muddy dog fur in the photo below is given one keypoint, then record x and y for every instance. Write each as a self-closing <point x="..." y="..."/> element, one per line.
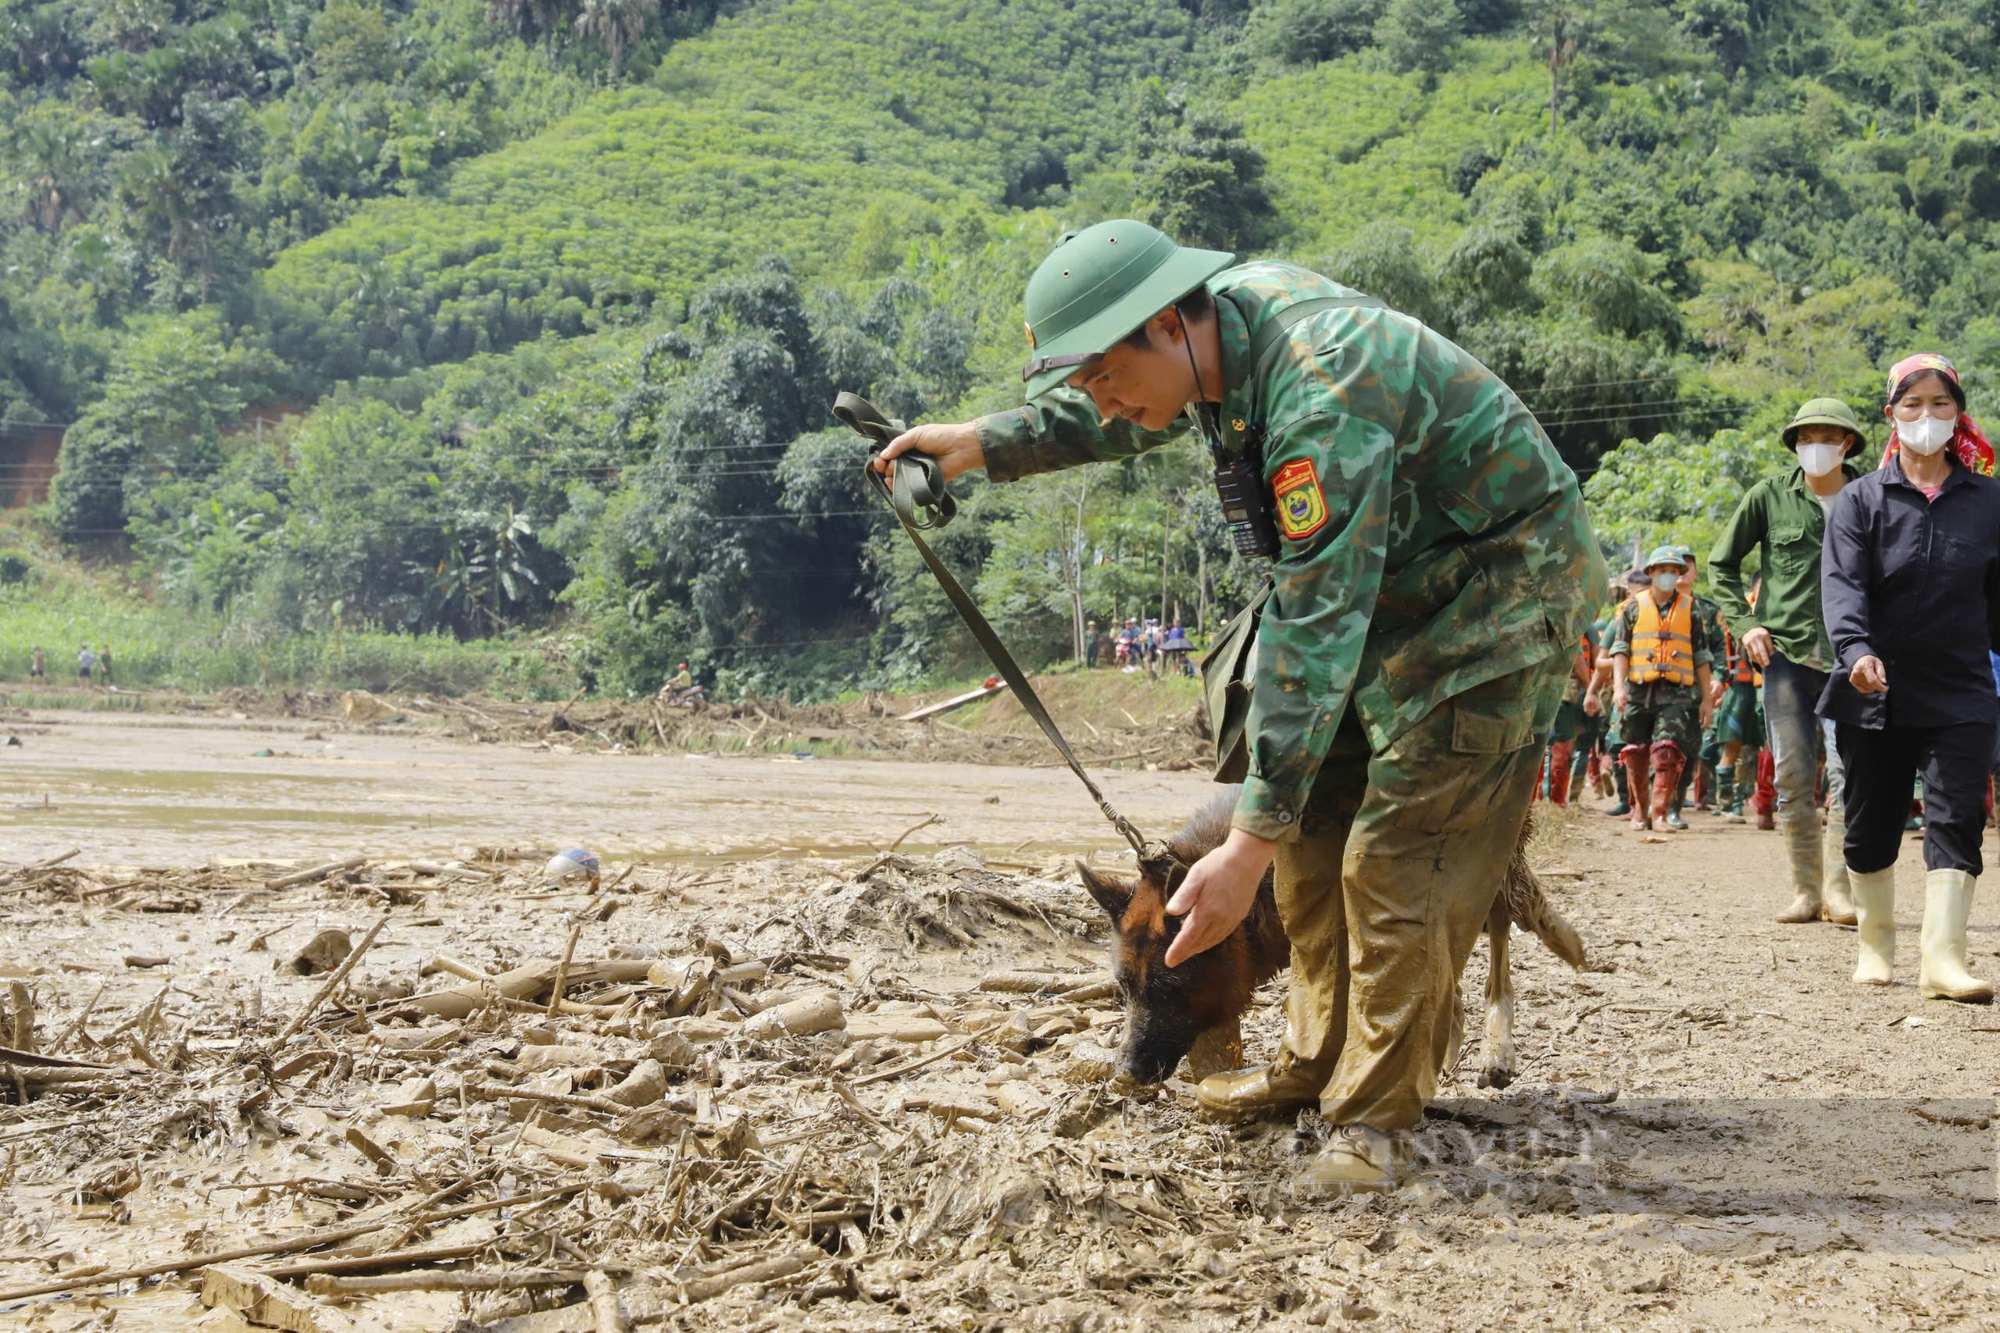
<point x="1194" y="1011"/>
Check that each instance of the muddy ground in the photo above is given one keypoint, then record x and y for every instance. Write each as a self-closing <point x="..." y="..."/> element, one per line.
<point x="1712" y="1128"/>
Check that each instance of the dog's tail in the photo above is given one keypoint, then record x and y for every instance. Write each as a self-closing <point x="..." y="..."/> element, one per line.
<point x="1530" y="906"/>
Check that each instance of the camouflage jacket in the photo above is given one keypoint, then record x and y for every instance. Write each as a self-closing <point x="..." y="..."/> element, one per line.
<point x="1432" y="538"/>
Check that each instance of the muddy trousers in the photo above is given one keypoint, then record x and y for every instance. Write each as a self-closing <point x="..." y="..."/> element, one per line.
<point x="1385" y="889"/>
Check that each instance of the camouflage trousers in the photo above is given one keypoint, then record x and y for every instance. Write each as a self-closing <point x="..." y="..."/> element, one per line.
<point x="1384" y="890"/>
<point x="1663" y="712"/>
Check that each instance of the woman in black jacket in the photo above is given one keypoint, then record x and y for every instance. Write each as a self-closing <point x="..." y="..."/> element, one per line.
<point x="1911" y="588"/>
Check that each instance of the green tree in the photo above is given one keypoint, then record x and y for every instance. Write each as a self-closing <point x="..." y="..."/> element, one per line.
<point x="1198" y="178"/>
<point x="173" y="388"/>
<point x="1419" y="34"/>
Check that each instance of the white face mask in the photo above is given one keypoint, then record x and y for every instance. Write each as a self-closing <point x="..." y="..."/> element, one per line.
<point x="1926" y="435"/>
<point x="1820" y="459"/>
<point x="1666" y="581"/>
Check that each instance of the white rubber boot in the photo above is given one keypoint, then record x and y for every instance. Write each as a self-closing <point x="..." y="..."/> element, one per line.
<point x="1835" y="893"/>
<point x="1875" y="914"/>
<point x="1942" y="974"/>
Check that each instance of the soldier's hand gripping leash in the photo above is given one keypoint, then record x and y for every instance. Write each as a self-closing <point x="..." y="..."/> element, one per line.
<point x="917" y="494"/>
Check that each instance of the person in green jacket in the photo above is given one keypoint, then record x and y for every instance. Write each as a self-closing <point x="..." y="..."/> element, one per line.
<point x="1785" y="636"/>
<point x="1433" y="570"/>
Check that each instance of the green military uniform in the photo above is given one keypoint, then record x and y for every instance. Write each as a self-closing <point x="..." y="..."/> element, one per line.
<point x="1711" y="615"/>
<point x="1435" y="572"/>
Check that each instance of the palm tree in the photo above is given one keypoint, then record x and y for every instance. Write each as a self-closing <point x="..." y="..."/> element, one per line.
<point x="616" y="23"/>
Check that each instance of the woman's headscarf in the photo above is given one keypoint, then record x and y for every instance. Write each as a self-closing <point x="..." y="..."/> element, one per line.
<point x="1967" y="441"/>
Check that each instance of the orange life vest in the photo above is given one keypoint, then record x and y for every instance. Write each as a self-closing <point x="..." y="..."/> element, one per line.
<point x="1744" y="671"/>
<point x="1663" y="649"/>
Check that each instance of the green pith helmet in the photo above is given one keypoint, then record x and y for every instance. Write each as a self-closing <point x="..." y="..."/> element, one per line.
<point x="1665" y="555"/>
<point x="1825" y="412"/>
<point x="1097" y="286"/>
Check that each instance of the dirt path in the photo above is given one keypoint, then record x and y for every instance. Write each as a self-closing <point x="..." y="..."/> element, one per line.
<point x="164" y="790"/>
<point x="1713" y="1128"/>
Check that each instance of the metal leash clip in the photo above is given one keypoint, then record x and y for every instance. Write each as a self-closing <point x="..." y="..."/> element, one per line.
<point x="916" y="489"/>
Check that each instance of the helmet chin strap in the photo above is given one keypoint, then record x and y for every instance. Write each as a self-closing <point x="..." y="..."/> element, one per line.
<point x="1200" y="394"/>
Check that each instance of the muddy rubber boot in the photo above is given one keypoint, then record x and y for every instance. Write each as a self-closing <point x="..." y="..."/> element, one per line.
<point x="1725" y="794"/>
<point x="1559" y="757"/>
<point x="1622" y="785"/>
<point x="1834" y="891"/>
<point x="1875" y="914"/>
<point x="1284" y="1086"/>
<point x="1941" y="974"/>
<point x="1802" y="849"/>
<point x="1637" y="769"/>
<point x="1356" y="1160"/>
<point x="1667" y="763"/>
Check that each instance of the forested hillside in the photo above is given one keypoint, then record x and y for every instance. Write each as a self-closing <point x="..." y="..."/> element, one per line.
<point x="567" y="286"/>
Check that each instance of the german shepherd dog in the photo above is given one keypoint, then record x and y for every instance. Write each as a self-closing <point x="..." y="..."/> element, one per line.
<point x="1195" y="1010"/>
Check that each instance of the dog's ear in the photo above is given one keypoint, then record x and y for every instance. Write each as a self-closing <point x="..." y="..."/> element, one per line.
<point x="1113" y="895"/>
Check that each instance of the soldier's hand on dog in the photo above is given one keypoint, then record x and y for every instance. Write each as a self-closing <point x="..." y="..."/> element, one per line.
<point x="955" y="446"/>
<point x="1217" y="893"/>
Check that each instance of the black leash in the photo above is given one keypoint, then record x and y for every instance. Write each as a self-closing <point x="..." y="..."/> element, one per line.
<point x="917" y="494"/>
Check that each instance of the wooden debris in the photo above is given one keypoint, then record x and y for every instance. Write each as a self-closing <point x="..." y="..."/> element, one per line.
<point x="798" y="1018"/>
<point x="333" y="982"/>
<point x="604" y="1303"/>
<point x="763" y="1270"/>
<point x="21" y="1016"/>
<point x="441" y="1279"/>
<point x="318" y="872"/>
<point x="265" y="1300"/>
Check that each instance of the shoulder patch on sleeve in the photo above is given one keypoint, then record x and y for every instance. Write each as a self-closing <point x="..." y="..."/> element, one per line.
<point x="1301" y="504"/>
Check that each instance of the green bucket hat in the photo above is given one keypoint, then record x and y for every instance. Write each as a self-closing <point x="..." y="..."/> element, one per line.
<point x="1097" y="286"/>
<point x="1666" y="555"/>
<point x="1825" y="412"/>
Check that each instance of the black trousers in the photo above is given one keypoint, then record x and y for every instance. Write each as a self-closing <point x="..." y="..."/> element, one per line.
<point x="1881" y="767"/>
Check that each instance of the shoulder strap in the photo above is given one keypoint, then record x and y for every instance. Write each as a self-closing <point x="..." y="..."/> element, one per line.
<point x="1278" y="325"/>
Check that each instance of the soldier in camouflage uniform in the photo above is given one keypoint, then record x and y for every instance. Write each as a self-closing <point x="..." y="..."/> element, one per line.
<point x="1435" y="569"/>
<point x="1710" y="614"/>
<point x="1662" y="666"/>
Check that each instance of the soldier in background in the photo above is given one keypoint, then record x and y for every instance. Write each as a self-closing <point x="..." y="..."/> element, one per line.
<point x="1784" y="635"/>
<point x="1662" y="665"/>
<point x="1434" y="570"/>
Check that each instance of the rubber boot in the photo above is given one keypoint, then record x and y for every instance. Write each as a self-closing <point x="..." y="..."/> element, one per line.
<point x="1834" y="891"/>
<point x="1623" y="785"/>
<point x="1637" y="769"/>
<point x="1677" y="802"/>
<point x="1725" y="796"/>
<point x="1356" y="1160"/>
<point x="1559" y="757"/>
<point x="1668" y="762"/>
<point x="1703" y="788"/>
<point x="1941" y="975"/>
<point x="1875" y="914"/>
<point x="1802" y="848"/>
<point x="1765" y="802"/>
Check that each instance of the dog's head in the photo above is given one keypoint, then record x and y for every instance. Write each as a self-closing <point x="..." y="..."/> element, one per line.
<point x="1166" y="1008"/>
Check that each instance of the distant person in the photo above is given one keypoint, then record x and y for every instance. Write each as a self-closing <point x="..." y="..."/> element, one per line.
<point x="681" y="689"/>
<point x="104" y="665"/>
<point x="86" y="662"/>
<point x="1662" y="664"/>
<point x="1783" y="634"/>
<point x="38" y="669"/>
<point x="1911" y="587"/>
<point x="1090" y="645"/>
<point x="1693" y="774"/>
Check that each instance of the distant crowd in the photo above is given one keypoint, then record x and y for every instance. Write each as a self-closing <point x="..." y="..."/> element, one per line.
<point x="1855" y="671"/>
<point x="1140" y="646"/>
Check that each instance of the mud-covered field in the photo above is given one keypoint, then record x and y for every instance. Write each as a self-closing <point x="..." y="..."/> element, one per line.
<point x="1712" y="1129"/>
